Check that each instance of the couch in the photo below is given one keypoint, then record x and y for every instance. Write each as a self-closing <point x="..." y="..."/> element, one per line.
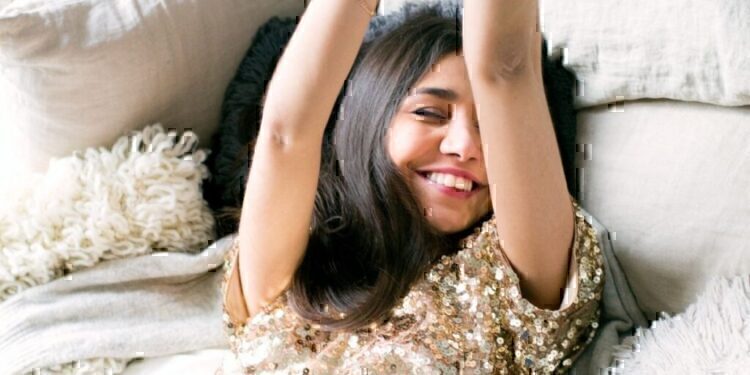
<point x="663" y="104"/>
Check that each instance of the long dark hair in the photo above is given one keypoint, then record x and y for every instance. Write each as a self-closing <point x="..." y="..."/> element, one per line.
<point x="370" y="240"/>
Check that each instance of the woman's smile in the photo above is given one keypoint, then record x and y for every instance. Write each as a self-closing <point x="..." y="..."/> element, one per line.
<point x="449" y="184"/>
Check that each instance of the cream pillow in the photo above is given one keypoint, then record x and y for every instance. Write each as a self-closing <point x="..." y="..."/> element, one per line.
<point x="627" y="50"/>
<point x="81" y="73"/>
<point x="670" y="180"/>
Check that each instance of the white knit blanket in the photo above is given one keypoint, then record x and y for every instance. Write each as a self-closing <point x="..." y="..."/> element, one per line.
<point x="142" y="196"/>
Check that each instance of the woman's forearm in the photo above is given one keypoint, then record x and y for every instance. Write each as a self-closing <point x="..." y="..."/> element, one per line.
<point x="534" y="215"/>
<point x="280" y="193"/>
<point x="500" y="47"/>
<point x="314" y="66"/>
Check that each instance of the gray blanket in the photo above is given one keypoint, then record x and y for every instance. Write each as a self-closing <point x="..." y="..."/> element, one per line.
<point x="164" y="304"/>
<point x="620" y="312"/>
<point x="152" y="305"/>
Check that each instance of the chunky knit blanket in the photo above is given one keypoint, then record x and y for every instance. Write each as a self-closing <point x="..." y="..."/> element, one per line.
<point x="78" y="258"/>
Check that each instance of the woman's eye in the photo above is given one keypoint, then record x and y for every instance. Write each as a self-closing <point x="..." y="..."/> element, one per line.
<point x="424" y="113"/>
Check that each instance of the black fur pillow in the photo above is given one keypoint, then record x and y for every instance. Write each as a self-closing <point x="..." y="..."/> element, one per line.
<point x="229" y="160"/>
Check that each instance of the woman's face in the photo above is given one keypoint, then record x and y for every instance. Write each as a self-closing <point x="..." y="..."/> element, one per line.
<point x="434" y="141"/>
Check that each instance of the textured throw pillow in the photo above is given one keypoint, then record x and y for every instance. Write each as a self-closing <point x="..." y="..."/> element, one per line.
<point x="143" y="195"/>
<point x="80" y="73"/>
<point x="229" y="161"/>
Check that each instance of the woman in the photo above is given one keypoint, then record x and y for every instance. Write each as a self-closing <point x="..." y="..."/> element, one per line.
<point x="414" y="244"/>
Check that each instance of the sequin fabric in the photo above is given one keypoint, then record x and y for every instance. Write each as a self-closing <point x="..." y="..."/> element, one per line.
<point x="465" y="316"/>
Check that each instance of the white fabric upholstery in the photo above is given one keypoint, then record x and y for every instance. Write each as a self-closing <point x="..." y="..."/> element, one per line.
<point x="80" y="73"/>
<point x="670" y="181"/>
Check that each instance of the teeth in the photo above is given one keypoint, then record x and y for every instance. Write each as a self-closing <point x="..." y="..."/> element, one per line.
<point x="450" y="180"/>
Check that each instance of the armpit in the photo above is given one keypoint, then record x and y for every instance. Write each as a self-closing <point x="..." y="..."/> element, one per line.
<point x="233" y="298"/>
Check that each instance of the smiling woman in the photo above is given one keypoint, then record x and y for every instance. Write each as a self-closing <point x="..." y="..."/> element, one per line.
<point x="402" y="254"/>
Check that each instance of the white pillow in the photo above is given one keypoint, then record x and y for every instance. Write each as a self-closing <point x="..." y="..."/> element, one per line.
<point x="670" y="181"/>
<point x="625" y="50"/>
<point x="80" y="73"/>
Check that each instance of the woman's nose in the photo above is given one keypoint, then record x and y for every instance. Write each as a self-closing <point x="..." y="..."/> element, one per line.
<point x="462" y="139"/>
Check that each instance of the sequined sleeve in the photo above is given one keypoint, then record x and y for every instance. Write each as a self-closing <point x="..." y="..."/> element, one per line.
<point x="267" y="336"/>
<point x="547" y="341"/>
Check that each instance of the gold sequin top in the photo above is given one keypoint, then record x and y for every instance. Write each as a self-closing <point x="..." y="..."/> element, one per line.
<point x="465" y="316"/>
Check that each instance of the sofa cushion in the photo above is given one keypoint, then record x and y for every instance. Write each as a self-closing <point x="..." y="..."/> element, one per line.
<point x="670" y="181"/>
<point x="81" y="73"/>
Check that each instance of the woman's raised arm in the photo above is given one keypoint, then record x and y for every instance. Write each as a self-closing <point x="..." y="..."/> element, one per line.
<point x="283" y="178"/>
<point x="312" y="70"/>
<point x="533" y="210"/>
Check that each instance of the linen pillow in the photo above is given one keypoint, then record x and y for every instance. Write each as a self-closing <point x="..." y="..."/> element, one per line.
<point x="230" y="157"/>
<point x="81" y="73"/>
<point x="669" y="179"/>
<point x="626" y="50"/>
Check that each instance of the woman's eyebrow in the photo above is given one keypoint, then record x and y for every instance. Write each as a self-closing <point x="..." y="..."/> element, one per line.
<point x="439" y="92"/>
